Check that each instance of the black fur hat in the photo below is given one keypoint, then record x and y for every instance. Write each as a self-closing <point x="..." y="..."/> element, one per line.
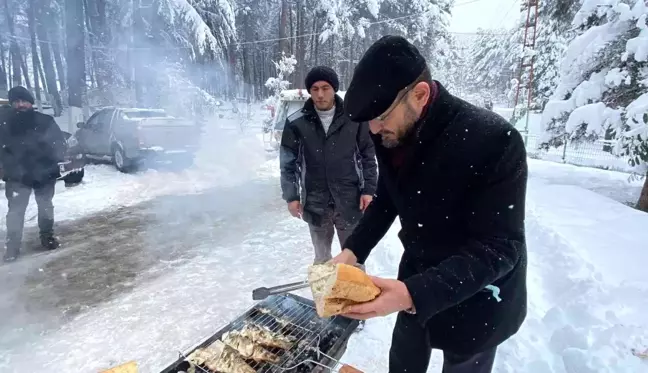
<point x="388" y="66"/>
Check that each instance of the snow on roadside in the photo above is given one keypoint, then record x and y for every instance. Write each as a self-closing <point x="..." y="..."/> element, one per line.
<point x="612" y="184"/>
<point x="582" y="316"/>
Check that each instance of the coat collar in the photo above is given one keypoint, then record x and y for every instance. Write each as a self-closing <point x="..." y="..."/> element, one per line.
<point x="429" y="127"/>
<point x="309" y="111"/>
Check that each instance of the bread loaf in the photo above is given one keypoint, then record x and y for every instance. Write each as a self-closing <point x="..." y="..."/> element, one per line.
<point x="337" y="286"/>
<point x="130" y="367"/>
<point x="349" y="369"/>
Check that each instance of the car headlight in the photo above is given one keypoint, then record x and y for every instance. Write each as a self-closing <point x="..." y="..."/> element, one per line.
<point x="72" y="141"/>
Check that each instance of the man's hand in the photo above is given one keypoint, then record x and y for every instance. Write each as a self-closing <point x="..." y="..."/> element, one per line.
<point x="345" y="257"/>
<point x="295" y="209"/>
<point x="394" y="298"/>
<point x="365" y="200"/>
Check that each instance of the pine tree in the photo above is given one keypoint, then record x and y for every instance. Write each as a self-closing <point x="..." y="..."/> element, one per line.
<point x="603" y="86"/>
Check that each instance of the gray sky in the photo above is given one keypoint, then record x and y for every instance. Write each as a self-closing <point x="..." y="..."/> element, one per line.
<point x="486" y="14"/>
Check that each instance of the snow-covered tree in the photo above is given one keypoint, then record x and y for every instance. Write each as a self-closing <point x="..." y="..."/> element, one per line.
<point x="554" y="34"/>
<point x="452" y="73"/>
<point x="493" y="58"/>
<point x="603" y="86"/>
<point x="284" y="68"/>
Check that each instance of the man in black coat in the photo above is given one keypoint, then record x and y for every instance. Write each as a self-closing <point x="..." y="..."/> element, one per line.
<point x="331" y="159"/>
<point x="32" y="145"/>
<point x="455" y="174"/>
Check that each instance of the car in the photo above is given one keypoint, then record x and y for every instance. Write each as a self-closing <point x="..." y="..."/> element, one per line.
<point x="289" y="102"/>
<point x="129" y="137"/>
<point x="72" y="169"/>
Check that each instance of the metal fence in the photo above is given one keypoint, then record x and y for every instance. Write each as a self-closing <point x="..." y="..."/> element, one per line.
<point x="590" y="154"/>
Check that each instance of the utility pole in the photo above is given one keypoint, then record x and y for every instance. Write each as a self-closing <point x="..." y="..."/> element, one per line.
<point x="526" y="61"/>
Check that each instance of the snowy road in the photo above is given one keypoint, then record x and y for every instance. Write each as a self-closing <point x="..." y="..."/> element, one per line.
<point x="109" y="253"/>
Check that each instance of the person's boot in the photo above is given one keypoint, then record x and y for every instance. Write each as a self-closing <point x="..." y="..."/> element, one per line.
<point x="10" y="255"/>
<point x="50" y="242"/>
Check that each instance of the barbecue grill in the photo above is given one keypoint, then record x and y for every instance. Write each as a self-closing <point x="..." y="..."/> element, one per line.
<point x="319" y="342"/>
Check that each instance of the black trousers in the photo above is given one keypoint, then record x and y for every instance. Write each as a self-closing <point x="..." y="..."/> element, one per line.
<point x="18" y="196"/>
<point x="410" y="352"/>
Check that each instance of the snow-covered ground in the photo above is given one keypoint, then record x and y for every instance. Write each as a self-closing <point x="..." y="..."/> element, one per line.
<point x="588" y="293"/>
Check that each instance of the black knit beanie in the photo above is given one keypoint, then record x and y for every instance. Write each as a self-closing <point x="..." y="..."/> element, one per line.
<point x="20" y="93"/>
<point x="322" y="73"/>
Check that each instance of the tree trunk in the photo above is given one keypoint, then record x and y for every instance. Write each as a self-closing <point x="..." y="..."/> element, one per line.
<point x="31" y="21"/>
<point x="4" y="76"/>
<point x="75" y="35"/>
<point x="56" y="43"/>
<point x="89" y="41"/>
<point x="9" y="69"/>
<point x="301" y="46"/>
<point x="231" y="66"/>
<point x="642" y="204"/>
<point x="316" y="42"/>
<point x="25" y="70"/>
<point x="136" y="61"/>
<point x="245" y="55"/>
<point x="41" y="76"/>
<point x="291" y="23"/>
<point x="46" y="59"/>
<point x="14" y="49"/>
<point x="284" y="45"/>
<point x="102" y="36"/>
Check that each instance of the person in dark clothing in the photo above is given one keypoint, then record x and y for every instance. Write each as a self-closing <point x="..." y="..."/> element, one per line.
<point x="32" y="145"/>
<point x="455" y="175"/>
<point x="332" y="160"/>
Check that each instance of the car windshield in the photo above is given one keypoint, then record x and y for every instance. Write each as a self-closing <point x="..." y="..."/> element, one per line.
<point x="288" y="108"/>
<point x="139" y="114"/>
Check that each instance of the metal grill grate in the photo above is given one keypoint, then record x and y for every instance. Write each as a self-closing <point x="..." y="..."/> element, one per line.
<point x="317" y="342"/>
<point x="288" y="317"/>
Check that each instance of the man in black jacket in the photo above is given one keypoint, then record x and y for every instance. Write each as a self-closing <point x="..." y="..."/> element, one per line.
<point x="332" y="159"/>
<point x="32" y="146"/>
<point x="456" y="176"/>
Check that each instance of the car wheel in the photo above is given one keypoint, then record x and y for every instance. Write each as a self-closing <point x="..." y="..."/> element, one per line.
<point x="120" y="161"/>
<point x="74" y="178"/>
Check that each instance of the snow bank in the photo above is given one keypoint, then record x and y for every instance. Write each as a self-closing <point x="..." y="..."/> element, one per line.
<point x="607" y="233"/>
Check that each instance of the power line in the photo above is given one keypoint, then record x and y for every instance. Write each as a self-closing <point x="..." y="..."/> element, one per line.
<point x="506" y="14"/>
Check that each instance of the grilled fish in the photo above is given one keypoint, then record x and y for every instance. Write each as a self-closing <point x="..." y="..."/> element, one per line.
<point x="267" y="337"/>
<point x="220" y="358"/>
<point x="247" y="348"/>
